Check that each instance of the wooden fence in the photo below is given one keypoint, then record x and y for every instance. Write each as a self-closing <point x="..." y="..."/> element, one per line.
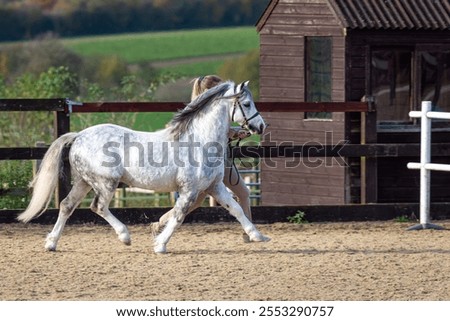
<point x="63" y="108"/>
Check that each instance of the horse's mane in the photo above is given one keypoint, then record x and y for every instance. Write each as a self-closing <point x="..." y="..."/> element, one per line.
<point x="183" y="118"/>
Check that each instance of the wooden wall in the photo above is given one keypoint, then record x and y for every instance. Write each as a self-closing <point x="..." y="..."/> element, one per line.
<point x="393" y="181"/>
<point x="282" y="38"/>
<point x="283" y="28"/>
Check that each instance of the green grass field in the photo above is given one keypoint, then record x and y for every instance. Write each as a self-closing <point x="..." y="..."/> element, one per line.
<point x="194" y="69"/>
<point x="161" y="46"/>
<point x="207" y="48"/>
<point x="138" y="121"/>
<point x="169" y="46"/>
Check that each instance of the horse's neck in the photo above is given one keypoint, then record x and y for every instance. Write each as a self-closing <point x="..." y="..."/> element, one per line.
<point x="215" y="123"/>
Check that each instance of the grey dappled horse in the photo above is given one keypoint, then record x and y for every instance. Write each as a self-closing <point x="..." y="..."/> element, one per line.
<point x="187" y="156"/>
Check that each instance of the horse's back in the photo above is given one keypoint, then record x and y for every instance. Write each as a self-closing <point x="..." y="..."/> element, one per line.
<point x="121" y="154"/>
<point x="89" y="152"/>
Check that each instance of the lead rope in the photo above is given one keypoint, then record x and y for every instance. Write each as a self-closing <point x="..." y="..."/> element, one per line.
<point x="230" y="151"/>
<point x="233" y="164"/>
<point x="230" y="147"/>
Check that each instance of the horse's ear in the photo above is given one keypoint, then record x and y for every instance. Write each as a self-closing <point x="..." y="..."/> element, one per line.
<point x="241" y="86"/>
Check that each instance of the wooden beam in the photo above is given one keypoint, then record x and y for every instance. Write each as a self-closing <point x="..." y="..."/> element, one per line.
<point x="348" y="150"/>
<point x="352" y="106"/>
<point x="32" y="104"/>
<point x="260" y="214"/>
<point x="110" y="107"/>
<point x="123" y="107"/>
<point x="21" y="153"/>
<point x="60" y="104"/>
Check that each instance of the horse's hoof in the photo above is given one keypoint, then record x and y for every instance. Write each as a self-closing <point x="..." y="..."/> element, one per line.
<point x="246" y="238"/>
<point x="160" y="249"/>
<point x="50" y="247"/>
<point x="50" y="243"/>
<point x="260" y="238"/>
<point x="125" y="239"/>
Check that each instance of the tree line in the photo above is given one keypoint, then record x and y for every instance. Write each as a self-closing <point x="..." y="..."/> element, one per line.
<point x="29" y="19"/>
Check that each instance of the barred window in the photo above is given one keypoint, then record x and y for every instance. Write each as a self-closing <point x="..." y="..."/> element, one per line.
<point x="318" y="53"/>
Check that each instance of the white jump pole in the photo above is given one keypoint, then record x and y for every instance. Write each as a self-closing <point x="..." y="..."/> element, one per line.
<point x="425" y="166"/>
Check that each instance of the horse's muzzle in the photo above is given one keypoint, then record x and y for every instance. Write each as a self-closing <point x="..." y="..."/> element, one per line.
<point x="257" y="130"/>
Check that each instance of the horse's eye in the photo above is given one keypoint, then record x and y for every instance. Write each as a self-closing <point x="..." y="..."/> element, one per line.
<point x="247" y="104"/>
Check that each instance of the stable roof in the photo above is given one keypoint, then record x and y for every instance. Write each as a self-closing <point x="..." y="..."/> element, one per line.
<point x="384" y="14"/>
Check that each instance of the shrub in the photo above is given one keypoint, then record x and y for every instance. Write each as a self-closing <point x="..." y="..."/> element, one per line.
<point x="106" y="71"/>
<point x="37" y="56"/>
<point x="14" y="179"/>
<point x="242" y="69"/>
<point x="298" y="218"/>
<point x="17" y="128"/>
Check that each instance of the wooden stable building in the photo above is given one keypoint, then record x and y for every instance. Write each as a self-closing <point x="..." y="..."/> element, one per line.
<point x="393" y="53"/>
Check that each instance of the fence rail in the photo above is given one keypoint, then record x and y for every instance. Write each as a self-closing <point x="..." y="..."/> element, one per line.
<point x="311" y="150"/>
<point x="68" y="106"/>
<point x="262" y="107"/>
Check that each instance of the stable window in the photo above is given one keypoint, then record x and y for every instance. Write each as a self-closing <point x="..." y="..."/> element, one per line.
<point x="318" y="73"/>
<point x="391" y="83"/>
<point x="401" y="78"/>
<point x="435" y="78"/>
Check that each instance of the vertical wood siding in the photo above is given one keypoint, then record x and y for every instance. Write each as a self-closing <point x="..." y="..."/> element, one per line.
<point x="300" y="181"/>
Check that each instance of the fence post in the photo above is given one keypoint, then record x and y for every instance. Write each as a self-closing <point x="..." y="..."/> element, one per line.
<point x="369" y="165"/>
<point x="425" y="158"/>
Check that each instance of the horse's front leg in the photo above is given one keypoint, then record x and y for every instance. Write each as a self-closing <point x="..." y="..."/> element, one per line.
<point x="220" y="193"/>
<point x="177" y="215"/>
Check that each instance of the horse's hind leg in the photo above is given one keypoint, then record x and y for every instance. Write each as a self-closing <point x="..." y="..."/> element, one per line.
<point x="158" y="226"/>
<point x="184" y="203"/>
<point x="100" y="206"/>
<point x="220" y="193"/>
<point x="66" y="208"/>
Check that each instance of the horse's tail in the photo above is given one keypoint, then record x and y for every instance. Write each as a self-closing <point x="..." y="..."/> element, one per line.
<point x="45" y="181"/>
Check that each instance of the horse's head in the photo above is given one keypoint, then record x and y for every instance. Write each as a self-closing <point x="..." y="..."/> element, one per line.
<point x="244" y="111"/>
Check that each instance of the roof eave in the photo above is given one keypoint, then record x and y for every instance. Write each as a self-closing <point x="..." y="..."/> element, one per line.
<point x="266" y="14"/>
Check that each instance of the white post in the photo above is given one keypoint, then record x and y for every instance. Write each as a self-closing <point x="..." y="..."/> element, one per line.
<point x="425" y="142"/>
<point x="425" y="158"/>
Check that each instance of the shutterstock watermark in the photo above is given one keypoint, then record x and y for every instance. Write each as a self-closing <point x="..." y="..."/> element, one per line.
<point x="311" y="154"/>
<point x="163" y="153"/>
<point x="195" y="153"/>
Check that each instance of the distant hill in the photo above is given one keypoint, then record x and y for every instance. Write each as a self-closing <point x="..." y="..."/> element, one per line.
<point x="28" y="19"/>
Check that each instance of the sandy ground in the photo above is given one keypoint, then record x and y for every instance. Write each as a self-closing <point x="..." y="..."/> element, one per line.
<point x="331" y="261"/>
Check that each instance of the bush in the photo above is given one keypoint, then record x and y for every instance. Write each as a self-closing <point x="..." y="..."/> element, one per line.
<point x="36" y="57"/>
<point x="14" y="179"/>
<point x="17" y="128"/>
<point x="106" y="71"/>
